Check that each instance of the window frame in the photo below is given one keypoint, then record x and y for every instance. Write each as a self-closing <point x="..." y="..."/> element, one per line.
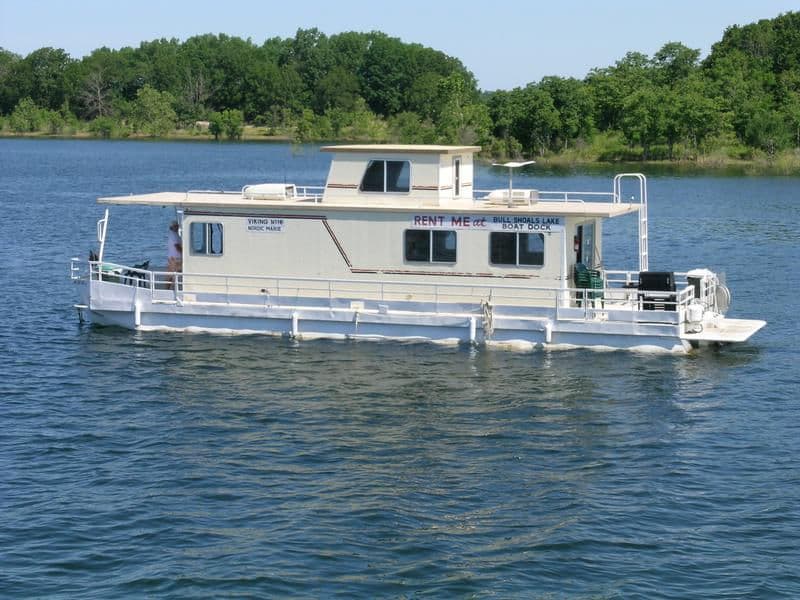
<point x="456" y="177"/>
<point x="208" y="234"/>
<point x="517" y="241"/>
<point x="385" y="162"/>
<point x="431" y="246"/>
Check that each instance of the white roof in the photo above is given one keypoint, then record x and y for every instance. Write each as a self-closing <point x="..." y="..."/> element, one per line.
<point x="402" y="149"/>
<point x="236" y="200"/>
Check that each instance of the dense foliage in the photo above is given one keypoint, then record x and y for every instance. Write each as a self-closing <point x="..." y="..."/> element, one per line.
<point x="740" y="101"/>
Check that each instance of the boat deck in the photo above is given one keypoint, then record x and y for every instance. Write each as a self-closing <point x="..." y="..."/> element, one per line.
<point x="726" y="331"/>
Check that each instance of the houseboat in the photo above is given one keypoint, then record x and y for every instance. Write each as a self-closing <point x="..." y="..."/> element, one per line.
<point x="399" y="245"/>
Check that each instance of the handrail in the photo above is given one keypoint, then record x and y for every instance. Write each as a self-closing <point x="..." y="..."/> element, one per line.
<point x="643" y="237"/>
<point x="302" y="192"/>
<point x="617" y="294"/>
<point x="102" y="229"/>
<point x="631" y="276"/>
<point x="559" y="196"/>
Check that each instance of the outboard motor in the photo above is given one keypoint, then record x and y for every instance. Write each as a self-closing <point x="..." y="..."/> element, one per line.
<point x="710" y="296"/>
<point x="694" y="316"/>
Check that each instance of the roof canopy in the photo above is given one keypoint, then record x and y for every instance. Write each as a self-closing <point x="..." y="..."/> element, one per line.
<point x="220" y="200"/>
<point x="402" y="149"/>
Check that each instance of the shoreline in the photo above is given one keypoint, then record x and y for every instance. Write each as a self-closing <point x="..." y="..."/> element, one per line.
<point x="786" y="164"/>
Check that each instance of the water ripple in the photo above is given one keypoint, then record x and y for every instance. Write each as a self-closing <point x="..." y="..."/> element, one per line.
<point x="164" y="465"/>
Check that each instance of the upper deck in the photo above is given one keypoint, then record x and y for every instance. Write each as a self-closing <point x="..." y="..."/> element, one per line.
<point x="396" y="178"/>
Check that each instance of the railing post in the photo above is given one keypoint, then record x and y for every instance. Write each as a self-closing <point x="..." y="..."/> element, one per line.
<point x="585" y="296"/>
<point x="557" y="301"/>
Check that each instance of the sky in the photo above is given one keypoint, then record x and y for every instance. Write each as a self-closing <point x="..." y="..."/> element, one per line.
<point x="506" y="44"/>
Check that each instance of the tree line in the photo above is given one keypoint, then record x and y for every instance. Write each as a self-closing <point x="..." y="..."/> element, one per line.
<point x="742" y="100"/>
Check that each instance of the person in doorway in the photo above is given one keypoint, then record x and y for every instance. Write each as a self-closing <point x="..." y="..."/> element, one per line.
<point x="174" y="252"/>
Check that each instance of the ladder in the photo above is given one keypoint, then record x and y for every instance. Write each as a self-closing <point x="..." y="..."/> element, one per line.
<point x="643" y="252"/>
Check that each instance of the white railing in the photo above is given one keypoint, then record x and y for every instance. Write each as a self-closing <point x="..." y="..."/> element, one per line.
<point x="303" y="192"/>
<point x="619" y="299"/>
<point x="641" y="180"/>
<point x="530" y="196"/>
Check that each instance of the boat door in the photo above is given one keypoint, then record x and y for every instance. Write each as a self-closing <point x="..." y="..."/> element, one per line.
<point x="584" y="244"/>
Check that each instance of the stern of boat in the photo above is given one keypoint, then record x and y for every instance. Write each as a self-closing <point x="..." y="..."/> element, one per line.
<point x="704" y="320"/>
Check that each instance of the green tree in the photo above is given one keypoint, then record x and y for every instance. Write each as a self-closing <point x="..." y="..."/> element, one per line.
<point x="674" y="62"/>
<point x="424" y="95"/>
<point x="9" y="93"/>
<point x="233" y="123"/>
<point x="610" y="87"/>
<point x="534" y="118"/>
<point x="383" y="75"/>
<point x="358" y="85"/>
<point x="105" y="127"/>
<point x="762" y="127"/>
<point x="698" y="112"/>
<point x="409" y="128"/>
<point x="26" y="116"/>
<point x="229" y="122"/>
<point x="153" y="113"/>
<point x="786" y="51"/>
<point x="41" y="76"/>
<point x="752" y="69"/>
<point x="337" y="89"/>
<point x="348" y="50"/>
<point x="574" y="103"/>
<point x="500" y="111"/>
<point x="791" y="108"/>
<point x="311" y="55"/>
<point x="644" y="117"/>
<point x="458" y="118"/>
<point x="215" y="125"/>
<point x="161" y="65"/>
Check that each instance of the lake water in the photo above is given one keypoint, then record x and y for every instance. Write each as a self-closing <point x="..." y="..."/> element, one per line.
<point x="180" y="465"/>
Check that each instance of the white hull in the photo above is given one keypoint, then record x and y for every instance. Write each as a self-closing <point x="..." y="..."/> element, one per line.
<point x="508" y="326"/>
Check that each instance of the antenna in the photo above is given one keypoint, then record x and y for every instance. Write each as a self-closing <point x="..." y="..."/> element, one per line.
<point x="511" y="166"/>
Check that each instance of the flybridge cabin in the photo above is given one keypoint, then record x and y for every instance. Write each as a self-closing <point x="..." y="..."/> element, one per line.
<point x="399" y="244"/>
<point x="425" y="175"/>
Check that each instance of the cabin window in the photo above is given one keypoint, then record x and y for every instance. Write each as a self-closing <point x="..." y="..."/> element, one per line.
<point x="457" y="177"/>
<point x="585" y="244"/>
<point x="206" y="238"/>
<point x="387" y="176"/>
<point x="430" y="246"/>
<point x="524" y="249"/>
